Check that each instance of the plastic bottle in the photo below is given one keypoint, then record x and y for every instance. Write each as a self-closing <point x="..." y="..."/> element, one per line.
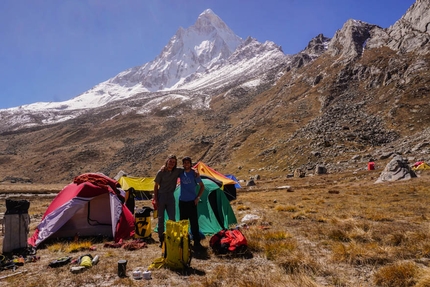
<point x="95" y="260"/>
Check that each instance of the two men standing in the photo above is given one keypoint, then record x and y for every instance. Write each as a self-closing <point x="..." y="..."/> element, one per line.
<point x="165" y="185"/>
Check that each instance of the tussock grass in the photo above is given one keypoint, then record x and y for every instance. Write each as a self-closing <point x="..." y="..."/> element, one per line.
<point x="378" y="216"/>
<point x="424" y="279"/>
<point x="78" y="246"/>
<point x="276" y="235"/>
<point x="365" y="235"/>
<point x="256" y="277"/>
<point x="298" y="262"/>
<point x="242" y="207"/>
<point x="276" y="250"/>
<point x="401" y="274"/>
<point x="360" y="254"/>
<point x="71" y="247"/>
<point x="268" y="241"/>
<point x="288" y="208"/>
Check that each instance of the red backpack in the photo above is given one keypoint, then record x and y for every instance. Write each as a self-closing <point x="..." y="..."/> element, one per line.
<point x="228" y="241"/>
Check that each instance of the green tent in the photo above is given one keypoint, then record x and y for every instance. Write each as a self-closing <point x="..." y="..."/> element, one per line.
<point x="214" y="210"/>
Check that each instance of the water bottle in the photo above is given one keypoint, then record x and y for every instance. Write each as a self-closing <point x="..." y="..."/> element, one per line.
<point x="95" y="260"/>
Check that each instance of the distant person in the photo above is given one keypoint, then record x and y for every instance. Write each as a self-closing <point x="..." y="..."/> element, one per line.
<point x="130" y="196"/>
<point x="164" y="187"/>
<point x="189" y="199"/>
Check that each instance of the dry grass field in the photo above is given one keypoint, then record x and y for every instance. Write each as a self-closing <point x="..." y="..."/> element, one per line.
<point x="328" y="230"/>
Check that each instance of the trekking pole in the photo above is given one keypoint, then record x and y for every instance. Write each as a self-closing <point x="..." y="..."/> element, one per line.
<point x="14" y="274"/>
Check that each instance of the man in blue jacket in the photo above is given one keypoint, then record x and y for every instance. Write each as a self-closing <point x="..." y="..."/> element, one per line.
<point x="189" y="199"/>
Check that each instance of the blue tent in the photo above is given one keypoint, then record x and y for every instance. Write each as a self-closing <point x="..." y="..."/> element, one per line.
<point x="237" y="185"/>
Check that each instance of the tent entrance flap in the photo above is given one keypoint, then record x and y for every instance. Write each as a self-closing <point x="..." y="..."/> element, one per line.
<point x="88" y="221"/>
<point x="213" y="201"/>
<point x="94" y="222"/>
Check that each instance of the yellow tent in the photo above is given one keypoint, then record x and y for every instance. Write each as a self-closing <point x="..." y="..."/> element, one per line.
<point x="421" y="166"/>
<point x="138" y="183"/>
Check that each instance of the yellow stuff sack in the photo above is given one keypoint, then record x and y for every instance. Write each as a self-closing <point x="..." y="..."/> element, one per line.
<point x="86" y="261"/>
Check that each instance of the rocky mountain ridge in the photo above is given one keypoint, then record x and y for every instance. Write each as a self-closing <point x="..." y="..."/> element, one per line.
<point x="362" y="95"/>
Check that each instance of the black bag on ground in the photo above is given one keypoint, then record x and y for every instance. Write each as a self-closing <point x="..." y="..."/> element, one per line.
<point x="15" y="225"/>
<point x="60" y="262"/>
<point x="17" y="206"/>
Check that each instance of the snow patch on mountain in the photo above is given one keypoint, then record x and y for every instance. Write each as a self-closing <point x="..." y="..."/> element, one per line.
<point x="252" y="83"/>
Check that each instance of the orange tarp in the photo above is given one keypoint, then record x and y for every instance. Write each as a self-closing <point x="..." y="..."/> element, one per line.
<point x="203" y="169"/>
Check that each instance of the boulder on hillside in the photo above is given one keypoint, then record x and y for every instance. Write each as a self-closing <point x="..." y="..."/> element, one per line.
<point x="251" y="183"/>
<point x="396" y="169"/>
<point x="299" y="173"/>
<point x="120" y="174"/>
<point x="320" y="169"/>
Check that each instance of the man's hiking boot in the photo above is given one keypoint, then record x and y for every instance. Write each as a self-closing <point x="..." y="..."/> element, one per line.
<point x="198" y="247"/>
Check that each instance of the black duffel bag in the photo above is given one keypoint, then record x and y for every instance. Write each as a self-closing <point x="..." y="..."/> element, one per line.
<point x="19" y="206"/>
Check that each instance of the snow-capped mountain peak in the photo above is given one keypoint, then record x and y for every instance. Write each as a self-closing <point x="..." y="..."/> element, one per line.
<point x="207" y="43"/>
<point x="208" y="23"/>
<point x="196" y="56"/>
<point x="204" y="57"/>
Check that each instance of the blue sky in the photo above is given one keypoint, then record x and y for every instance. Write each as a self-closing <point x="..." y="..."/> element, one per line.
<point x="54" y="50"/>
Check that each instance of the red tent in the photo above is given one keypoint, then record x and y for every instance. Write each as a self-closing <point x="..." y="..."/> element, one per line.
<point x="90" y="206"/>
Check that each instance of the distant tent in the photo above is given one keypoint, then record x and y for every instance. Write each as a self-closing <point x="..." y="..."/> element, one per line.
<point x="421" y="166"/>
<point x="214" y="210"/>
<point x="225" y="183"/>
<point x="143" y="186"/>
<point x="230" y="176"/>
<point x="90" y="206"/>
